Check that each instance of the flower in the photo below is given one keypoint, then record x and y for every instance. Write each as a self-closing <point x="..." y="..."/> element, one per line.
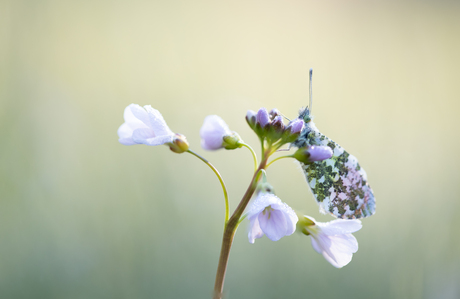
<point x="215" y="134"/>
<point x="212" y="132"/>
<point x="144" y="126"/>
<point x="332" y="239"/>
<point x="270" y="216"/>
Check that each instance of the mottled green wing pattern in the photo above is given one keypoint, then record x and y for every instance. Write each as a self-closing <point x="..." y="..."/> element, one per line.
<point x="339" y="184"/>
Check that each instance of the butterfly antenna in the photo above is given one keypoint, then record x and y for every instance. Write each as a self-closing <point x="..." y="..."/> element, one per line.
<point x="285" y="117"/>
<point x="310" y="91"/>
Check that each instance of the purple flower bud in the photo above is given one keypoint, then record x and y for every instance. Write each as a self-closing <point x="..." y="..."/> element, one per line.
<point x="319" y="153"/>
<point x="278" y="124"/>
<point x="313" y="153"/>
<point x="262" y="117"/>
<point x="251" y="117"/>
<point x="212" y="132"/>
<point x="296" y="126"/>
<point x="274" y="113"/>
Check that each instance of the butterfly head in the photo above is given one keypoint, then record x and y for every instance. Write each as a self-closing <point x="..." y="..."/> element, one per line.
<point x="305" y="115"/>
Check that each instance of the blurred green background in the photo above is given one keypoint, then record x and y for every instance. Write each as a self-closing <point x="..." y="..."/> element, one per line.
<point x="82" y="216"/>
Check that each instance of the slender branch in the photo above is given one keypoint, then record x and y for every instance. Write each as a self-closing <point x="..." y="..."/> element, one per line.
<point x="253" y="154"/>
<point x="230" y="230"/>
<point x="279" y="158"/>
<point x="227" y="208"/>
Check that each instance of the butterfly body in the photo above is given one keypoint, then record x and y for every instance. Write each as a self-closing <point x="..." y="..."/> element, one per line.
<point x="339" y="184"/>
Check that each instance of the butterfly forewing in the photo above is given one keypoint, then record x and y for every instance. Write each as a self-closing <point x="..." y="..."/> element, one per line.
<point x="339" y="184"/>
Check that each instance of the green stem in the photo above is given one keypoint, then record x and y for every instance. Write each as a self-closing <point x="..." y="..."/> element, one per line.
<point x="253" y="154"/>
<point x="230" y="230"/>
<point x="227" y="208"/>
<point x="279" y="158"/>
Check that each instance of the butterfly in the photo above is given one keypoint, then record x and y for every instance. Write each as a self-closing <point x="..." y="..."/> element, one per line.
<point x="339" y="184"/>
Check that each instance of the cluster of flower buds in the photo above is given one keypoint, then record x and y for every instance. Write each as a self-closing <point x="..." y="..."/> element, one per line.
<point x="270" y="126"/>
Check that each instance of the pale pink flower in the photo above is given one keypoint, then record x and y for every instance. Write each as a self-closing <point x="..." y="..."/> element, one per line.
<point x="333" y="239"/>
<point x="144" y="126"/>
<point x="212" y="132"/>
<point x="270" y="216"/>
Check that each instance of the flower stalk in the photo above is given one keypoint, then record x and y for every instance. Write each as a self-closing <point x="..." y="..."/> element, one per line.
<point x="230" y="229"/>
<point x="224" y="188"/>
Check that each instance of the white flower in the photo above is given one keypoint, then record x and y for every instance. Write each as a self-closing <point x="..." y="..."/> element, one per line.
<point x="212" y="132"/>
<point x="270" y="216"/>
<point x="144" y="126"/>
<point x="333" y="239"/>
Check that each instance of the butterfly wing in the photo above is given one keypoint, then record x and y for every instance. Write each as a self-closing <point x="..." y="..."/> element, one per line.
<point x="339" y="184"/>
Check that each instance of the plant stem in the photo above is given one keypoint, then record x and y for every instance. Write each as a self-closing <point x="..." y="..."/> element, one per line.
<point x="253" y="154"/>
<point x="227" y="208"/>
<point x="230" y="230"/>
<point x="281" y="157"/>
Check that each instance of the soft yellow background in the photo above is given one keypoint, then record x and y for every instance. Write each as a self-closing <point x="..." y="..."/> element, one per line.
<point x="82" y="216"/>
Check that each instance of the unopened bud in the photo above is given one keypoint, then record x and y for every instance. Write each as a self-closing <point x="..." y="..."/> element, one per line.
<point x="278" y="124"/>
<point x="251" y="118"/>
<point x="296" y="126"/>
<point x="179" y="144"/>
<point x="313" y="153"/>
<point x="262" y="117"/>
<point x="274" y="113"/>
<point x="232" y="141"/>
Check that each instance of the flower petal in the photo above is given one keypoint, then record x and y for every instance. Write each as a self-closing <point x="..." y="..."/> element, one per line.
<point x="340" y="226"/>
<point x="125" y="134"/>
<point x="273" y="223"/>
<point x="212" y="132"/>
<point x="316" y="246"/>
<point x="160" y="140"/>
<point x="157" y="122"/>
<point x="289" y="214"/>
<point x="141" y="135"/>
<point x="261" y="202"/>
<point x="337" y="250"/>
<point x="344" y="259"/>
<point x="138" y="114"/>
<point x="339" y="253"/>
<point x="254" y="230"/>
<point x="262" y="117"/>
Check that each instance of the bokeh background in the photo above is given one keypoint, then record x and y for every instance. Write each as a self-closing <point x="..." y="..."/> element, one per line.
<point x="82" y="216"/>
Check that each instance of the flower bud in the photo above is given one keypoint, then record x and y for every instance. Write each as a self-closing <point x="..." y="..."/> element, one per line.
<point x="274" y="113"/>
<point x="251" y="118"/>
<point x="179" y="144"/>
<point x="232" y="141"/>
<point x="293" y="130"/>
<point x="278" y="124"/>
<point x="313" y="153"/>
<point x="296" y="126"/>
<point x="262" y="117"/>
